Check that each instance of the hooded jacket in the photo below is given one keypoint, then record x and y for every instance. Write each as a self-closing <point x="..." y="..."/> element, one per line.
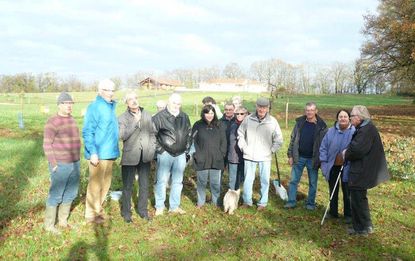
<point x="334" y="142"/>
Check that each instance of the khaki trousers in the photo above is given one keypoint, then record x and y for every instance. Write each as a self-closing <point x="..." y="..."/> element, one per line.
<point x="98" y="186"/>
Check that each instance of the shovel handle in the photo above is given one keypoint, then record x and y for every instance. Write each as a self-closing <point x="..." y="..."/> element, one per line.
<point x="278" y="169"/>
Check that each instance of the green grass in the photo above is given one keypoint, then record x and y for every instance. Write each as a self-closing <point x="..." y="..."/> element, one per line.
<point x="203" y="234"/>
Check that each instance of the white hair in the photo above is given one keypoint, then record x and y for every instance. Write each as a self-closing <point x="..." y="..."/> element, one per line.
<point x="106" y="84"/>
<point x="175" y="97"/>
<point x="161" y="103"/>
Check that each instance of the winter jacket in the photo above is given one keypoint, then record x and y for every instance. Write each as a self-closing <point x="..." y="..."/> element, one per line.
<point x="367" y="158"/>
<point x="259" y="139"/>
<point x="334" y="142"/>
<point x="210" y="145"/>
<point x="172" y="132"/>
<point x="138" y="138"/>
<point x="293" y="148"/>
<point x="100" y="131"/>
<point x="227" y="123"/>
<point x="235" y="154"/>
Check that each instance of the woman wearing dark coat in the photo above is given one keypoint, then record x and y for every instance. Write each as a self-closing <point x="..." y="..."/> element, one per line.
<point x="209" y="140"/>
<point x="367" y="168"/>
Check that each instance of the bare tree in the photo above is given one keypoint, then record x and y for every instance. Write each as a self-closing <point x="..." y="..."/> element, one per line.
<point x="322" y="80"/>
<point x="208" y="73"/>
<point x="233" y="71"/>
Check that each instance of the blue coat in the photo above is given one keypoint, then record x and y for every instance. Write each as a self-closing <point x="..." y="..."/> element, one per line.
<point x="334" y="142"/>
<point x="100" y="131"/>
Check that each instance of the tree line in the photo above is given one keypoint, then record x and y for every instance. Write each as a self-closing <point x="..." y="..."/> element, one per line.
<point x="274" y="73"/>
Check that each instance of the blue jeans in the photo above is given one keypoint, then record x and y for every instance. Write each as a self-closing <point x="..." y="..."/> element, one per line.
<point x="64" y="184"/>
<point x="214" y="180"/>
<point x="169" y="165"/>
<point x="236" y="175"/>
<point x="264" y="175"/>
<point x="296" y="173"/>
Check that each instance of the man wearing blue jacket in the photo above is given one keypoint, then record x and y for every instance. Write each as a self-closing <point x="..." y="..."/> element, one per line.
<point x="100" y="134"/>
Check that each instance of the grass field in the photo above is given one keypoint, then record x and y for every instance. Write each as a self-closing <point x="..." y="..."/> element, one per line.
<point x="203" y="234"/>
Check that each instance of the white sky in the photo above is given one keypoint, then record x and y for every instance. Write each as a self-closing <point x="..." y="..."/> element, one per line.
<point x="96" y="39"/>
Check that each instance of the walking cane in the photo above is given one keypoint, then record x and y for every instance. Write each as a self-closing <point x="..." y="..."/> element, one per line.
<point x="332" y="193"/>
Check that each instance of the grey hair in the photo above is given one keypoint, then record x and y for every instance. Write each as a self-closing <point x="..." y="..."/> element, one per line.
<point x="361" y="111"/>
<point x="230" y="104"/>
<point x="311" y="103"/>
<point x="241" y="108"/>
<point x="128" y="96"/>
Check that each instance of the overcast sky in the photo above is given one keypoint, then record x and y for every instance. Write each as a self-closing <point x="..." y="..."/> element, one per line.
<point x="97" y="39"/>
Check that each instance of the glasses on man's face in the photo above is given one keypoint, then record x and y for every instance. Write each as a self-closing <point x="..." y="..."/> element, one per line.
<point x="67" y="103"/>
<point x="240" y="113"/>
<point x="108" y="90"/>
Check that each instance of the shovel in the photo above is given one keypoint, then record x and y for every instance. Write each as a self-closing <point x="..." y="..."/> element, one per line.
<point x="281" y="191"/>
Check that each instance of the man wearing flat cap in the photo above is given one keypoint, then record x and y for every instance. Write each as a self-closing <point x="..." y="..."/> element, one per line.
<point x="304" y="152"/>
<point x="61" y="144"/>
<point x="259" y="136"/>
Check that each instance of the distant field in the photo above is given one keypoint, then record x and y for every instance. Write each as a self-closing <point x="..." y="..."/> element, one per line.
<point x="32" y="104"/>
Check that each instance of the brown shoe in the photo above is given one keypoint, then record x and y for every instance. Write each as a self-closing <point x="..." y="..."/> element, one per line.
<point x="95" y="220"/>
<point x="260" y="208"/>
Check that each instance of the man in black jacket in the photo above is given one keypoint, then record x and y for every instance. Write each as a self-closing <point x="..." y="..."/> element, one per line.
<point x="367" y="168"/>
<point x="303" y="151"/>
<point x="173" y="142"/>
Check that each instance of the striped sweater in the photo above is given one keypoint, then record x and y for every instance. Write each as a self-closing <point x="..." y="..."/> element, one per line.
<point x="61" y="140"/>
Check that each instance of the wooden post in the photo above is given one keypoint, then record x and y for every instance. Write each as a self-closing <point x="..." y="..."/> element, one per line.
<point x="286" y="113"/>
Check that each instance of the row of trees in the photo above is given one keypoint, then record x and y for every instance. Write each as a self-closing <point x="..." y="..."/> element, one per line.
<point x="387" y="62"/>
<point x="275" y="73"/>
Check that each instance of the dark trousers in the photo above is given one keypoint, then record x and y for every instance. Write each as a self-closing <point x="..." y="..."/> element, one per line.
<point x="128" y="177"/>
<point x="240" y="174"/>
<point x="360" y="209"/>
<point x="334" y="203"/>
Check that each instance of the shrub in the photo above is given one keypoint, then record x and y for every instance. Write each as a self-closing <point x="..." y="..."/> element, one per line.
<point x="400" y="155"/>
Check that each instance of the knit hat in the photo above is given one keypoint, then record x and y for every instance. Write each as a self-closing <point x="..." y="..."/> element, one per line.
<point x="64" y="97"/>
<point x="361" y="111"/>
<point x="262" y="102"/>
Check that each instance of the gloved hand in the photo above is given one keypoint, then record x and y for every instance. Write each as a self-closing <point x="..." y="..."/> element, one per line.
<point x="187" y="157"/>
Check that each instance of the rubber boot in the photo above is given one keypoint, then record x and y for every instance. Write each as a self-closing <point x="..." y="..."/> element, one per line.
<point x="50" y="219"/>
<point x="63" y="214"/>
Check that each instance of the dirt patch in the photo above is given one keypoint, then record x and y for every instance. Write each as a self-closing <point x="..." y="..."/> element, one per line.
<point x="394" y="119"/>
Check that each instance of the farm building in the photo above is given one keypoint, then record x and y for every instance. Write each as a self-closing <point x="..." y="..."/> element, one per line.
<point x="152" y="83"/>
<point x="232" y="85"/>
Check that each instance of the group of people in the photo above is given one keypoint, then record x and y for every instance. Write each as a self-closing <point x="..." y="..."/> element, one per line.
<point x="236" y="141"/>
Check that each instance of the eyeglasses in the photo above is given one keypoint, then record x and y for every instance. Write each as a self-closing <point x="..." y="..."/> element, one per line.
<point x="240" y="113"/>
<point x="108" y="90"/>
<point x="353" y="115"/>
<point x="67" y="103"/>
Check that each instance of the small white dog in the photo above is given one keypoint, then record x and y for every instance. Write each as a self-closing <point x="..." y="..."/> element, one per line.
<point x="230" y="201"/>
